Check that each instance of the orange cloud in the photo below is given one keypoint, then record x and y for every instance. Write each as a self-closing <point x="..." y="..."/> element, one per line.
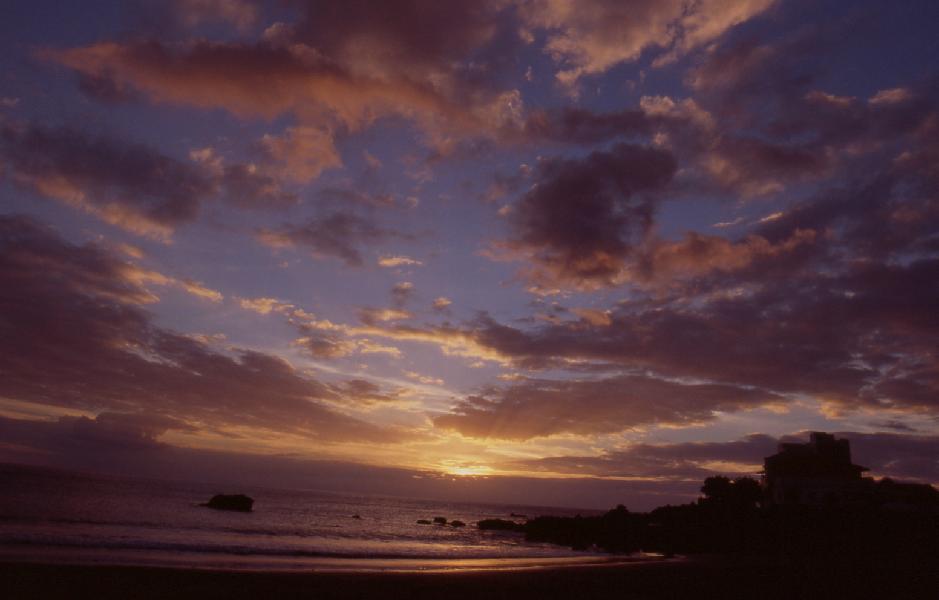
<point x="398" y="261"/>
<point x="590" y="37"/>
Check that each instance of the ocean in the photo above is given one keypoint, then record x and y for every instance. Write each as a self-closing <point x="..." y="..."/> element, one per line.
<point x="50" y="515"/>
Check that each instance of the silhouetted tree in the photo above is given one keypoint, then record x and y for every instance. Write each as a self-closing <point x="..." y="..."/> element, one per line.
<point x="736" y="497"/>
<point x="747" y="492"/>
<point x="717" y="488"/>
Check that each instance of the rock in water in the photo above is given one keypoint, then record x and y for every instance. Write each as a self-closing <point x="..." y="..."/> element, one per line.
<point x="500" y="525"/>
<point x="440" y="520"/>
<point x="231" y="502"/>
<point x="423" y="522"/>
<point x="457" y="523"/>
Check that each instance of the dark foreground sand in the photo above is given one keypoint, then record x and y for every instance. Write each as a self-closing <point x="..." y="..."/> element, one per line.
<point x="700" y="578"/>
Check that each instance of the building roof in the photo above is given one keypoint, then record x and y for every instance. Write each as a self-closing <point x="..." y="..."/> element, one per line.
<point x="823" y="456"/>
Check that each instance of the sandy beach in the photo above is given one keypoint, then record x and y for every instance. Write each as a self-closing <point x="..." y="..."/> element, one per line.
<point x="695" y="578"/>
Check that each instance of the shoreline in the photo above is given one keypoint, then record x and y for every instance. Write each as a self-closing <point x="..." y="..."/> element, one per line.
<point x="210" y="562"/>
<point x="698" y="577"/>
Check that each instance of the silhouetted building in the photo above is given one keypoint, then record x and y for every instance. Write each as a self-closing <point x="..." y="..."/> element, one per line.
<point x="819" y="473"/>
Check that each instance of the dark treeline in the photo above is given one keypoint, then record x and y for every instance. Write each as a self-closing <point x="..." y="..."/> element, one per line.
<point x="729" y="519"/>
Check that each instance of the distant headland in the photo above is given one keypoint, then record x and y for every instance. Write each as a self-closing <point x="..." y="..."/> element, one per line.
<point x="811" y="502"/>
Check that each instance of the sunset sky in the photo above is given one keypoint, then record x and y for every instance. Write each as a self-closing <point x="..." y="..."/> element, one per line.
<point x="548" y="251"/>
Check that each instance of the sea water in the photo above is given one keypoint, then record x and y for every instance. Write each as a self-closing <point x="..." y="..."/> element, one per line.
<point x="52" y="515"/>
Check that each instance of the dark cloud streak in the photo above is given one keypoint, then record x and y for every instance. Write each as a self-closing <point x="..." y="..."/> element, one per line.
<point x="583" y="217"/>
<point x="336" y="234"/>
<point x="74" y="336"/>
<point x="126" y="183"/>
<point x="537" y="408"/>
<point x="904" y="457"/>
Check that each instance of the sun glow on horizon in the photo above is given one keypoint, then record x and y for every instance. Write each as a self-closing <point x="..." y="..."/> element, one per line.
<point x="464" y="470"/>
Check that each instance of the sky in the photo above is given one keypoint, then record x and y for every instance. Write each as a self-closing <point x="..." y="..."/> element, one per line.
<point x="539" y="251"/>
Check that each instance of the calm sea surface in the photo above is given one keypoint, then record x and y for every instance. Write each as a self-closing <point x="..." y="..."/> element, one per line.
<point x="69" y="517"/>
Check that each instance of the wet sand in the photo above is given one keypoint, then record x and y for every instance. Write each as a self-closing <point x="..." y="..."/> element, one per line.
<point x="695" y="578"/>
<point x="208" y="561"/>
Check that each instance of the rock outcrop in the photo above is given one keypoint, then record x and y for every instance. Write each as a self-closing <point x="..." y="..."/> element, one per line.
<point x="500" y="525"/>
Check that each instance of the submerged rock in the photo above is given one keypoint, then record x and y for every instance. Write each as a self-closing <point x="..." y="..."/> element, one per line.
<point x="423" y="522"/>
<point x="238" y="502"/>
<point x="356" y="516"/>
<point x="457" y="523"/>
<point x="440" y="520"/>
